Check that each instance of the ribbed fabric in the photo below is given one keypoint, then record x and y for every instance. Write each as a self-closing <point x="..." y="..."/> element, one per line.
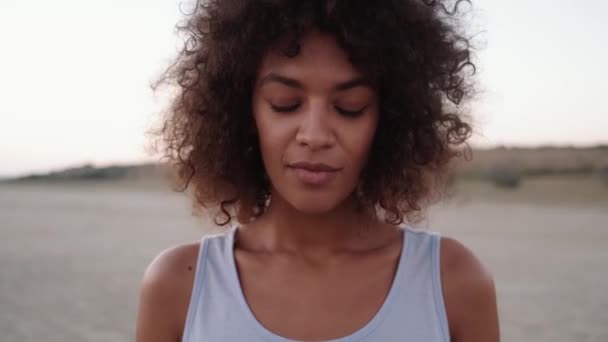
<point x="413" y="311"/>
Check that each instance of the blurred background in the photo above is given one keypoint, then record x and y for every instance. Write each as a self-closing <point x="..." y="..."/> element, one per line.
<point x="84" y="208"/>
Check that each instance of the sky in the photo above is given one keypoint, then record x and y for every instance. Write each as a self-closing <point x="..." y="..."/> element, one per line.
<point x="75" y="77"/>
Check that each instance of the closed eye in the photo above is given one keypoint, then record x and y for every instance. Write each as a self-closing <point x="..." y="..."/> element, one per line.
<point x="344" y="112"/>
<point x="350" y="113"/>
<point x="285" y="109"/>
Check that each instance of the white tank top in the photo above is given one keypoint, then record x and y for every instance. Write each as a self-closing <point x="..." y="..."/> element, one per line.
<point x="413" y="310"/>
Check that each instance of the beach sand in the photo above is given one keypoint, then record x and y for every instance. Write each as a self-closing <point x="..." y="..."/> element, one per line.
<point x="71" y="260"/>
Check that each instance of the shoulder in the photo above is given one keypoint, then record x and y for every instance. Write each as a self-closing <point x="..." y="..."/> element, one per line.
<point x="165" y="293"/>
<point x="469" y="294"/>
<point x="172" y="265"/>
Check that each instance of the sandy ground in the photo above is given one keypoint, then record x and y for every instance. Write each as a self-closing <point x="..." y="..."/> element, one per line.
<point x="71" y="260"/>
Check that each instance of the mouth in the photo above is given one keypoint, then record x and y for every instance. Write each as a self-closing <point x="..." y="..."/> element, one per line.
<point x="314" y="167"/>
<point x="313" y="173"/>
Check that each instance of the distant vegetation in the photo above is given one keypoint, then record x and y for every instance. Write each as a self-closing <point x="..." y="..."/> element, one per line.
<point x="508" y="167"/>
<point x="505" y="177"/>
<point x="89" y="172"/>
<point x="86" y="172"/>
<point x="502" y="166"/>
<point x="602" y="174"/>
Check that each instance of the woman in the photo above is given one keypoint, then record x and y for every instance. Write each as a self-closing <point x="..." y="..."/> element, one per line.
<point x="320" y="127"/>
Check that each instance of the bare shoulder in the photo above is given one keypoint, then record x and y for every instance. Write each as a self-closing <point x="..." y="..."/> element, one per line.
<point x="165" y="293"/>
<point x="172" y="265"/>
<point x="462" y="267"/>
<point x="469" y="294"/>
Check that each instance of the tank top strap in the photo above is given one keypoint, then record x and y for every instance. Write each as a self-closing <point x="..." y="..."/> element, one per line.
<point x="421" y="298"/>
<point x="213" y="295"/>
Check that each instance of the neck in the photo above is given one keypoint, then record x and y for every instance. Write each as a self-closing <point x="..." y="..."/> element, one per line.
<point x="339" y="230"/>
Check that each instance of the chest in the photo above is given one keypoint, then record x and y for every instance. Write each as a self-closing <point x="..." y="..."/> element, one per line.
<point x="303" y="302"/>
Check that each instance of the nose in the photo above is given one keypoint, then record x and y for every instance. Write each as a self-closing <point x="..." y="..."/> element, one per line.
<point x="314" y="130"/>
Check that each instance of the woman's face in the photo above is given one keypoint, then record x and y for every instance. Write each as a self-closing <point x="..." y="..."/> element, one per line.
<point x="316" y="117"/>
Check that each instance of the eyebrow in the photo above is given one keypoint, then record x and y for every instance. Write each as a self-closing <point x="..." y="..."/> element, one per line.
<point x="290" y="82"/>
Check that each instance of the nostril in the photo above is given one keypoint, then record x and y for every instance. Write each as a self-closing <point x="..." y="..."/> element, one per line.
<point x="314" y="141"/>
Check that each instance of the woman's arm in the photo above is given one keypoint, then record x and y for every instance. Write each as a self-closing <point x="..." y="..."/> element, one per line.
<point x="469" y="295"/>
<point x="165" y="295"/>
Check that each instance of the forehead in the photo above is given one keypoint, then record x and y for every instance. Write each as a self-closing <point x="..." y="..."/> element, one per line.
<point x="320" y="58"/>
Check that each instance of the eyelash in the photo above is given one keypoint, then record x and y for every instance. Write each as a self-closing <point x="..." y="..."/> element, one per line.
<point x="340" y="110"/>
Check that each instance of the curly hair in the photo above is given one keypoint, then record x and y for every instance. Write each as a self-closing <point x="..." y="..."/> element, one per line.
<point x="414" y="51"/>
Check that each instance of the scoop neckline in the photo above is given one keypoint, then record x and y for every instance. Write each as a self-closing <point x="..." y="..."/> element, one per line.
<point x="363" y="331"/>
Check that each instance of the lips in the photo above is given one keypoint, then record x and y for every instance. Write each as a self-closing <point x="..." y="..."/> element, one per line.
<point x="315" y="167"/>
<point x="313" y="173"/>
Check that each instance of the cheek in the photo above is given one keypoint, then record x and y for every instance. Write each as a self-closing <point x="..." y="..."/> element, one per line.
<point x="272" y="135"/>
<point x="265" y="136"/>
<point x="359" y="139"/>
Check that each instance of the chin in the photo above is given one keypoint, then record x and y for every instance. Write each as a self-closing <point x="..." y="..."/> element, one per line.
<point x="313" y="207"/>
<point x="312" y="201"/>
<point x="314" y="204"/>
